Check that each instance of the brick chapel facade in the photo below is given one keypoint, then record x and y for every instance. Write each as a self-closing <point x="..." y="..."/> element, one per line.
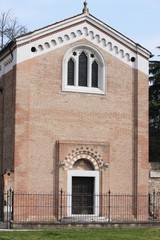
<point x="74" y="110"/>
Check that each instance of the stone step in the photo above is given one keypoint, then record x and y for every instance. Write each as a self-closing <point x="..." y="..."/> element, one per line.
<point x="85" y="218"/>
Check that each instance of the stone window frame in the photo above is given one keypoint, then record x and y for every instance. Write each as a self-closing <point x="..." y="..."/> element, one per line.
<point x="90" y="51"/>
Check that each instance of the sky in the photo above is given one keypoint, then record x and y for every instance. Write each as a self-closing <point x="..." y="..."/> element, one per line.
<point x="138" y="20"/>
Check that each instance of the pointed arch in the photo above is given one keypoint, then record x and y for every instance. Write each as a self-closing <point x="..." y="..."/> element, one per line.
<point x="88" y="67"/>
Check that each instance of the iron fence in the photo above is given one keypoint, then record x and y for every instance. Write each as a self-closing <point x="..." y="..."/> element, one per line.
<point x="64" y="208"/>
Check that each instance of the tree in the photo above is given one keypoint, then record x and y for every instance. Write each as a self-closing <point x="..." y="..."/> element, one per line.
<point x="154" y="111"/>
<point x="9" y="28"/>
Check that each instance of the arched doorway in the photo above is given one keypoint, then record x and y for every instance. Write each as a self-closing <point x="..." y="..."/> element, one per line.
<point x="83" y="187"/>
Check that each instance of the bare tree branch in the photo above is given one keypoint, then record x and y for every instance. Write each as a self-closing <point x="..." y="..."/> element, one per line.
<point x="9" y="28"/>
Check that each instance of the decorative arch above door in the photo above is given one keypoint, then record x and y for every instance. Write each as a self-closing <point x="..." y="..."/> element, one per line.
<point x="96" y="153"/>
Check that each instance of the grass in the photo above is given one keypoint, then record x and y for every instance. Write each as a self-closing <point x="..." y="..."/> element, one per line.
<point x="84" y="234"/>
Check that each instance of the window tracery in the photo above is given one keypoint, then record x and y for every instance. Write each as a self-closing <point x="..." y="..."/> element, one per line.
<point x="83" y="71"/>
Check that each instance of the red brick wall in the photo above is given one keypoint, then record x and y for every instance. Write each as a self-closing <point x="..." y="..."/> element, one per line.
<point x="45" y="114"/>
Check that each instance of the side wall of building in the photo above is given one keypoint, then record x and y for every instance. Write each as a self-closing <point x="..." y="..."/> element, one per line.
<point x="142" y="140"/>
<point x="7" y="114"/>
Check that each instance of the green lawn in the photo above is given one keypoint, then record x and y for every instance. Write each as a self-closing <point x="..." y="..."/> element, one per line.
<point x="84" y="234"/>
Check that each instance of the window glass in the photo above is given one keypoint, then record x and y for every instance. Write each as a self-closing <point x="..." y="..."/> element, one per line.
<point x="94" y="74"/>
<point x="70" y="72"/>
<point x="82" y="70"/>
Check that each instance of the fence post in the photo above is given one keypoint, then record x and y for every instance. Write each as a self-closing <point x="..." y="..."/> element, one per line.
<point x="10" y="206"/>
<point x="149" y="205"/>
<point x="61" y="193"/>
<point x="7" y="208"/>
<point x="109" y="206"/>
<point x="154" y="205"/>
<point x="12" y="202"/>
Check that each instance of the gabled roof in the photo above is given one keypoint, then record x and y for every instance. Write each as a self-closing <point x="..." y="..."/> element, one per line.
<point x="77" y="19"/>
<point x="73" y="29"/>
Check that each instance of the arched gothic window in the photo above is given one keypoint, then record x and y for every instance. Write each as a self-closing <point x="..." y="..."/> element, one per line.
<point x="83" y="71"/>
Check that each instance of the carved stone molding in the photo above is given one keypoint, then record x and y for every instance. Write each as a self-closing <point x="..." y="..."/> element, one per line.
<point x="70" y="152"/>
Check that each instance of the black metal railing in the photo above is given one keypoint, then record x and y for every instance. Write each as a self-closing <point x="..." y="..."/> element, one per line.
<point x="65" y="208"/>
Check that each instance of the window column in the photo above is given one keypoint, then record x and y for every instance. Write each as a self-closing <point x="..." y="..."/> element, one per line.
<point x="89" y="72"/>
<point x="76" y="73"/>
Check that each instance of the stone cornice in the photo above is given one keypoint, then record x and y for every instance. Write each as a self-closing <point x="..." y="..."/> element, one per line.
<point x="80" y="27"/>
<point x="79" y="19"/>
